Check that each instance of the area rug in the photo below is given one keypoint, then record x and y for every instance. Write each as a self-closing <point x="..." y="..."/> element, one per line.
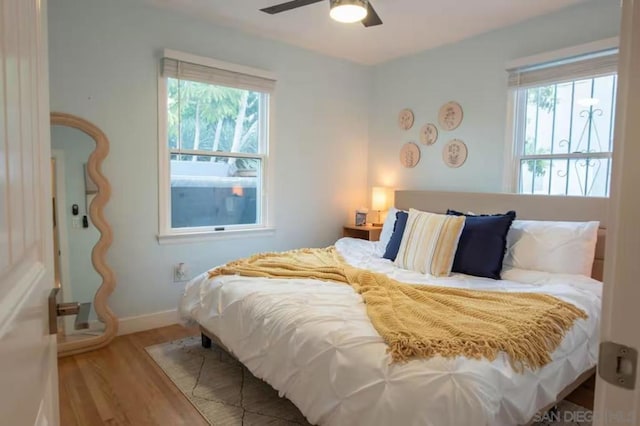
<point x="227" y="394"/>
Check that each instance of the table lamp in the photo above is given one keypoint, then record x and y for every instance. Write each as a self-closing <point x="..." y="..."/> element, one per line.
<point x="380" y="201"/>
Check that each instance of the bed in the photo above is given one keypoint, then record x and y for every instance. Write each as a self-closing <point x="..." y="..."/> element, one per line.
<point x="313" y="342"/>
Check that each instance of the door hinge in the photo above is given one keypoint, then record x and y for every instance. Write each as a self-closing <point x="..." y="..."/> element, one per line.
<point x="617" y="364"/>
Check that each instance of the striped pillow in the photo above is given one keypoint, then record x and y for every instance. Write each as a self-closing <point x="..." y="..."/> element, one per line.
<point x="429" y="242"/>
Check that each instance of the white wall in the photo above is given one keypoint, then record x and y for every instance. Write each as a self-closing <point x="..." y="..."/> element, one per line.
<point x="471" y="72"/>
<point x="104" y="57"/>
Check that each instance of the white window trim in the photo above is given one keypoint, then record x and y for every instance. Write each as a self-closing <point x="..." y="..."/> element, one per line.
<point x="214" y="63"/>
<point x="560" y="54"/>
<point x="511" y="174"/>
<point x="167" y="235"/>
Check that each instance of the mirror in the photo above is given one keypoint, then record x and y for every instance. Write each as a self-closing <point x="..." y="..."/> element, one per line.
<point x="81" y="234"/>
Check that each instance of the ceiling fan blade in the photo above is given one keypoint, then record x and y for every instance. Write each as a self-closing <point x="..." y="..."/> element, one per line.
<point x="288" y="6"/>
<point x="372" y="18"/>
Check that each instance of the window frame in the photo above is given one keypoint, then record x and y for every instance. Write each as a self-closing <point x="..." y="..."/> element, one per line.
<point x="265" y="227"/>
<point x="514" y="145"/>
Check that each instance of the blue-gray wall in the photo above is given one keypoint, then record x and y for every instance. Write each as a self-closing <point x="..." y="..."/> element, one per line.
<point x="104" y="56"/>
<point x="334" y="121"/>
<point x="471" y="72"/>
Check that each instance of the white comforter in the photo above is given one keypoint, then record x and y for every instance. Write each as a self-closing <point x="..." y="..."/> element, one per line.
<point x="313" y="342"/>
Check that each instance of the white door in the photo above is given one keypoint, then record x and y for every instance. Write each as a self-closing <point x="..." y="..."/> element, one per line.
<point x="621" y="312"/>
<point x="28" y="367"/>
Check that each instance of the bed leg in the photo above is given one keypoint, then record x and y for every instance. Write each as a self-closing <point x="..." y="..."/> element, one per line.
<point x="206" y="342"/>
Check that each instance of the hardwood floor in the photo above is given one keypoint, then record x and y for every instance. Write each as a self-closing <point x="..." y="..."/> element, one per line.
<point x="585" y="394"/>
<point x="122" y="385"/>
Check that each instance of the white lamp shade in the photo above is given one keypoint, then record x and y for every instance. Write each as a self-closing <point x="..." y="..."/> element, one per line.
<point x="380" y="198"/>
<point x="348" y="11"/>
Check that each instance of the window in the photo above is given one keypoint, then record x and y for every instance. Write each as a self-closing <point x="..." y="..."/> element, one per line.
<point x="564" y="121"/>
<point x="214" y="146"/>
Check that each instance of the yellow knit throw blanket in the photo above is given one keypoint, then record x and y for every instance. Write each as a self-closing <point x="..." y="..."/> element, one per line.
<point x="424" y="320"/>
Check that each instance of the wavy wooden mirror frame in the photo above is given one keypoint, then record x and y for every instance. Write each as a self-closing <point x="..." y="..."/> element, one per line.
<point x="94" y="169"/>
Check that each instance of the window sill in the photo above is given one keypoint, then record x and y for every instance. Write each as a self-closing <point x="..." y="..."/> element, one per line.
<point x="196" y="237"/>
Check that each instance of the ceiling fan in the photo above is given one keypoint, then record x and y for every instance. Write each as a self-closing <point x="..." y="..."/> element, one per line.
<point x="347" y="11"/>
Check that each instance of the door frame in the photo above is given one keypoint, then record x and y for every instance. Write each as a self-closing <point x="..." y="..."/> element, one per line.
<point x="621" y="292"/>
<point x="63" y="235"/>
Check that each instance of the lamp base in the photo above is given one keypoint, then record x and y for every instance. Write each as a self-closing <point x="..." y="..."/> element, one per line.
<point x="377" y="223"/>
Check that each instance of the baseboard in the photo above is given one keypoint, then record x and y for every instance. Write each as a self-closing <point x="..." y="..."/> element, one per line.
<point x="144" y="322"/>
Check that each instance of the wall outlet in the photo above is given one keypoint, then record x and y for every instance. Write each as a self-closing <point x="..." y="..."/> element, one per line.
<point x="181" y="273"/>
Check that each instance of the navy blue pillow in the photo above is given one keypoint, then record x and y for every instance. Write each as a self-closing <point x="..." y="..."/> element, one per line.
<point x="391" y="252"/>
<point x="482" y="244"/>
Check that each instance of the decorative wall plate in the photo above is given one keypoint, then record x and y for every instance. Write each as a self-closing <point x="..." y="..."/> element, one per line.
<point x="405" y="119"/>
<point x="450" y="115"/>
<point x="429" y="134"/>
<point x="409" y="155"/>
<point x="454" y="153"/>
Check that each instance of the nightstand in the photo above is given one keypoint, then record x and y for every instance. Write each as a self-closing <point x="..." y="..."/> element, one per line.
<point x="367" y="232"/>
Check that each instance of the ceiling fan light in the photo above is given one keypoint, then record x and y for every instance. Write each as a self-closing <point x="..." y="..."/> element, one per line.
<point x="348" y="11"/>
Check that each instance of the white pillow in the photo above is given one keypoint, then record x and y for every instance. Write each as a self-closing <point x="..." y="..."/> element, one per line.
<point x="560" y="247"/>
<point x="387" y="231"/>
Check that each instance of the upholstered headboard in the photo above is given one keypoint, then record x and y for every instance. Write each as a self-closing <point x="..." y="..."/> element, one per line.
<point x="528" y="207"/>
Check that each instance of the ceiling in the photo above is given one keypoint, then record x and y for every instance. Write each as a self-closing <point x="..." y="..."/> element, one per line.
<point x="410" y="26"/>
